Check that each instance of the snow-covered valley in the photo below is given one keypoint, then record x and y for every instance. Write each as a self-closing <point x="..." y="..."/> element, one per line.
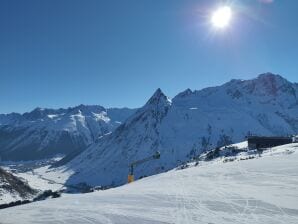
<point x="259" y="190"/>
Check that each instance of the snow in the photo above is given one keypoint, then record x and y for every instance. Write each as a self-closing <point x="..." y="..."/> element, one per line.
<point x="258" y="191"/>
<point x="13" y="188"/>
<point x="39" y="174"/>
<point x="241" y="145"/>
<point x="43" y="179"/>
<point x="224" y="114"/>
<point x="102" y="116"/>
<point x="36" y="174"/>
<point x="7" y="197"/>
<point x="52" y="116"/>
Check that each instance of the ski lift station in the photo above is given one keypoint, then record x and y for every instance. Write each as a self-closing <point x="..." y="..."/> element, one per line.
<point x="259" y="142"/>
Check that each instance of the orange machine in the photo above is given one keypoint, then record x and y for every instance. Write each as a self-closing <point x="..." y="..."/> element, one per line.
<point x="138" y="162"/>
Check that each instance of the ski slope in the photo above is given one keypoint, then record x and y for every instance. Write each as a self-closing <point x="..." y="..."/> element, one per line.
<point x="260" y="190"/>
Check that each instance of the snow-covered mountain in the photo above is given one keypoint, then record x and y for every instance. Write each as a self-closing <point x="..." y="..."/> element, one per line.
<point x="44" y="133"/>
<point x="187" y="125"/>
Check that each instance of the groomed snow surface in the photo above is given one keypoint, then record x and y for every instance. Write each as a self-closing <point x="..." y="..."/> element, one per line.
<point x="260" y="190"/>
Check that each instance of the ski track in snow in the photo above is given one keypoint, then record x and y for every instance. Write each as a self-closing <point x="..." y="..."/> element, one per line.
<point x="261" y="190"/>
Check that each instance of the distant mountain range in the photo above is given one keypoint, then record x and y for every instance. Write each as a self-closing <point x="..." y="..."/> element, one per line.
<point x="100" y="142"/>
<point x="44" y="133"/>
<point x="187" y="125"/>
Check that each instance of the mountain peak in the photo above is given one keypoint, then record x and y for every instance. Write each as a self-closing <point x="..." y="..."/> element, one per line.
<point x="158" y="93"/>
<point x="185" y="93"/>
<point x="269" y="76"/>
<point x="158" y="98"/>
<point x="37" y="113"/>
<point x="266" y="84"/>
<point x="86" y="109"/>
<point x="273" y="84"/>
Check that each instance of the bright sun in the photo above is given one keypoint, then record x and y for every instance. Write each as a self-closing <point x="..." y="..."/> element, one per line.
<point x="221" y="17"/>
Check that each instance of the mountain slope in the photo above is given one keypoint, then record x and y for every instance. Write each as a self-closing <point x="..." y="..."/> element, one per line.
<point x="256" y="191"/>
<point x="12" y="188"/>
<point x="188" y="125"/>
<point x="44" y="133"/>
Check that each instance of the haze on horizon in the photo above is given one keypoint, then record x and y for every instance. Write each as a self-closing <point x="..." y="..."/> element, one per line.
<point x="115" y="53"/>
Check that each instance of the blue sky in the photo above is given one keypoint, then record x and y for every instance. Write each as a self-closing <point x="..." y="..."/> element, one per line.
<point x="60" y="53"/>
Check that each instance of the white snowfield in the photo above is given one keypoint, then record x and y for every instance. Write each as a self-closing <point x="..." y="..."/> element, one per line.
<point x="260" y="190"/>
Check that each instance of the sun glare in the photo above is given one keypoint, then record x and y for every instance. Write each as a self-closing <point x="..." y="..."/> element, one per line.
<point x="221" y="17"/>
